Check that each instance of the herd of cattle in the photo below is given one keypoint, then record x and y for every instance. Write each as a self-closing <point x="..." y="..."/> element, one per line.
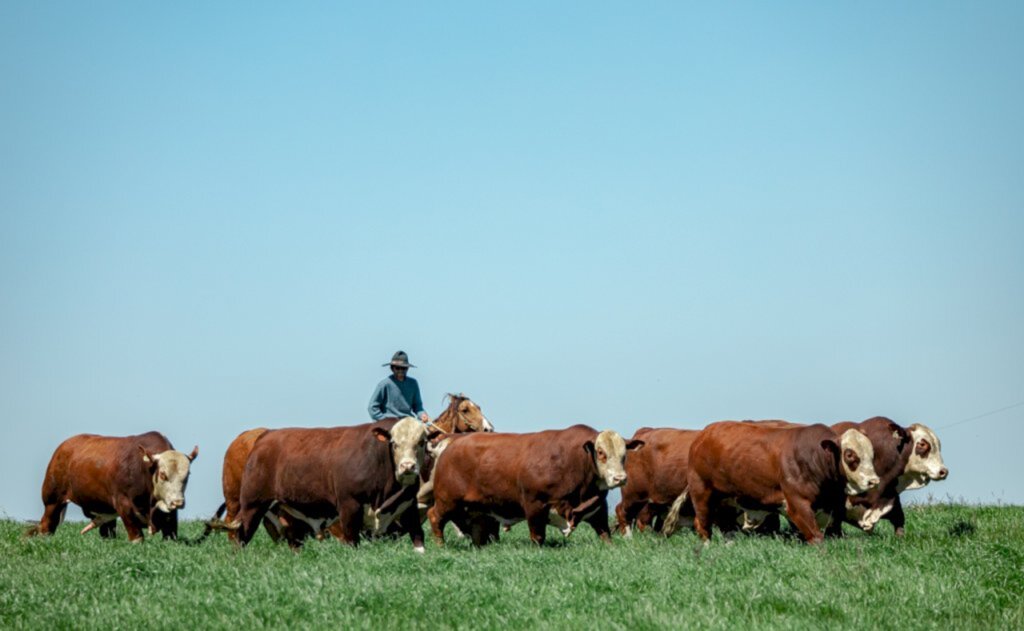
<point x="386" y="478"/>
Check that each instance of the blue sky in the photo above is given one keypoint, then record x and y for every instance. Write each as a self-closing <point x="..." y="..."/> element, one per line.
<point x="220" y="217"/>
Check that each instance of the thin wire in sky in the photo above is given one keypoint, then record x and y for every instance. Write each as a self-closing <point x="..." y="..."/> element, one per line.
<point x="974" y="418"/>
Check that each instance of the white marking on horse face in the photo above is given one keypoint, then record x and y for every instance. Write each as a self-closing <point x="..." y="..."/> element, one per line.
<point x="858" y="462"/>
<point x="925" y="463"/>
<point x="610" y="457"/>
<point x="408" y="442"/>
<point x="488" y="427"/>
<point x="170" y="480"/>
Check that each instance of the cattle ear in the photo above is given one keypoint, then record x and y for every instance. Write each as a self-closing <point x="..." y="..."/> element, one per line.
<point x="589" y="447"/>
<point x="901" y="435"/>
<point x="147" y="457"/>
<point x="382" y="434"/>
<point x="830" y="445"/>
<point x="195" y="453"/>
<point x="634" y="445"/>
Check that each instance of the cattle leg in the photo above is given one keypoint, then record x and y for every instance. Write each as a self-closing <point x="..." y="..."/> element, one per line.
<point x="438" y="515"/>
<point x="897" y="517"/>
<point x="410" y="522"/>
<point x="108" y="530"/>
<point x="598" y="520"/>
<point x="650" y="517"/>
<point x="479" y="531"/>
<point x="249" y="517"/>
<point x="700" y="497"/>
<point x="799" y="511"/>
<point x="167" y="525"/>
<point x="53" y="515"/>
<point x="350" y="521"/>
<point x="537" y="521"/>
<point x="132" y="524"/>
<point x="626" y="514"/>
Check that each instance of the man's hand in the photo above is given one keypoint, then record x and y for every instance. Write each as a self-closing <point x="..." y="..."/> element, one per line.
<point x="424" y="417"/>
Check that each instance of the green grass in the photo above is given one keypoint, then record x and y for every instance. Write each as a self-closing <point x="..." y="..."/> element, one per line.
<point x="958" y="567"/>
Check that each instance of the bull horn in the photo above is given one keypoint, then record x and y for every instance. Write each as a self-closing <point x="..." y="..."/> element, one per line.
<point x="195" y="452"/>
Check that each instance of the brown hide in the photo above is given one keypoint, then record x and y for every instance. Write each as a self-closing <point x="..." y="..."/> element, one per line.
<point x="235" y="458"/>
<point x="762" y="467"/>
<point x="104" y="475"/>
<point x="486" y="477"/>
<point x="657" y="476"/>
<point x="893" y="446"/>
<point x="325" y="473"/>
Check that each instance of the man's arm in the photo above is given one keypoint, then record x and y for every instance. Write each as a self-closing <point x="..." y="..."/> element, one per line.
<point x="378" y="402"/>
<point x="417" y="405"/>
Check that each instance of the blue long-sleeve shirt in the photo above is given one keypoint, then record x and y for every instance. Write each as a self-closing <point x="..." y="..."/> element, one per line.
<point x="395" y="399"/>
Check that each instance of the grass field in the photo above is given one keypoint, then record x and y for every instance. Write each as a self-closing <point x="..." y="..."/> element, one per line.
<point x="958" y="567"/>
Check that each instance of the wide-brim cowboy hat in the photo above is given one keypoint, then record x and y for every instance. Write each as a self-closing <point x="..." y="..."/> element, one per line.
<point x="399" y="359"/>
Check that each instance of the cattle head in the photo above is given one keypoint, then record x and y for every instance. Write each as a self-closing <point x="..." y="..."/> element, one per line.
<point x="925" y="463"/>
<point x="407" y="440"/>
<point x="609" y="453"/>
<point x="857" y="460"/>
<point x="170" y="470"/>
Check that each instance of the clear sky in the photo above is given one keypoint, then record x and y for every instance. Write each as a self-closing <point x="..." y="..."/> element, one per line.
<point x="219" y="216"/>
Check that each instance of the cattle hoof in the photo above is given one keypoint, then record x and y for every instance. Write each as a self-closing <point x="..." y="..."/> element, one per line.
<point x="420" y="549"/>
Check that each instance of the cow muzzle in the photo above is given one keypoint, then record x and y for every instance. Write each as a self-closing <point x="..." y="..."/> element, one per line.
<point x="616" y="480"/>
<point x="169" y="506"/>
<point x="408" y="472"/>
<point x="942" y="474"/>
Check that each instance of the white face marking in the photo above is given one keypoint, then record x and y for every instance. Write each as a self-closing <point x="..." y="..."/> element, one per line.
<point x="170" y="480"/>
<point x="863" y="478"/>
<point x="610" y="457"/>
<point x="922" y="469"/>
<point x="488" y="427"/>
<point x="408" y="442"/>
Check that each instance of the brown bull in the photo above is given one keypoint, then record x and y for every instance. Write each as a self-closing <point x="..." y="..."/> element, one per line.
<point x="759" y="467"/>
<point x="657" y="478"/>
<point x="318" y="475"/>
<point x="486" y="479"/>
<point x="140" y="479"/>
<point x="903" y="457"/>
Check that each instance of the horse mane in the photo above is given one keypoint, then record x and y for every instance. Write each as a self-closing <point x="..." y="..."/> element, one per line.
<point x="445" y="421"/>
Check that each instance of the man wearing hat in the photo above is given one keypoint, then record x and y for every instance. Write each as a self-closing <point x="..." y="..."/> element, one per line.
<point x="398" y="396"/>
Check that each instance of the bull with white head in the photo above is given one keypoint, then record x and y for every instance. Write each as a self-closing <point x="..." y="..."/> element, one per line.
<point x="140" y="479"/>
<point x="905" y="458"/>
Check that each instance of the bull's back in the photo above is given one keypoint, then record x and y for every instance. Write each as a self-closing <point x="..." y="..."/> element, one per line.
<point x="88" y="467"/>
<point x="659" y="469"/>
<point x="738" y="458"/>
<point x="482" y="466"/>
<point x="299" y="462"/>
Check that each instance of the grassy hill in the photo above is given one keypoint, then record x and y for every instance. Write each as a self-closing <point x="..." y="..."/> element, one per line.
<point x="958" y="567"/>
